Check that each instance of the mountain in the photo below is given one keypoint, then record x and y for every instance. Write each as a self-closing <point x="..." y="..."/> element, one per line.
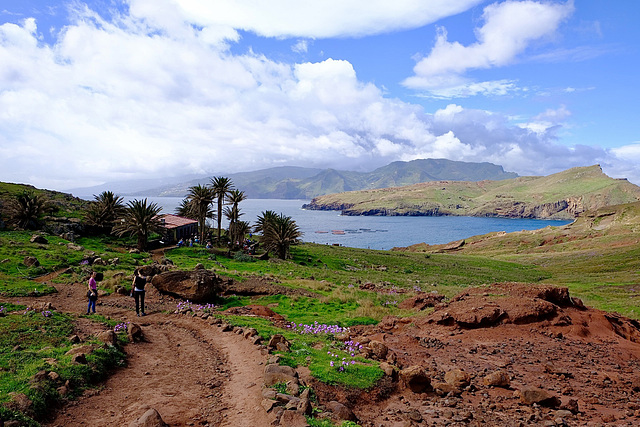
<point x="289" y="182"/>
<point x="129" y="187"/>
<point x="559" y="196"/>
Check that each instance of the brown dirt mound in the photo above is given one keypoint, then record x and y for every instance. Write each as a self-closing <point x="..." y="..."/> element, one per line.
<point x="504" y="303"/>
<point x="532" y="337"/>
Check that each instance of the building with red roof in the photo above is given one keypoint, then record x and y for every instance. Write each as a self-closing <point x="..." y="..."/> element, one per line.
<point x="178" y="227"/>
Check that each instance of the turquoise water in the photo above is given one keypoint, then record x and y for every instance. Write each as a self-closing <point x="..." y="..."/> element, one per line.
<point x="374" y="232"/>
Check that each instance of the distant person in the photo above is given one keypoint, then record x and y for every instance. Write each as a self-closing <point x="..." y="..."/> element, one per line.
<point x="181" y="243"/>
<point x="139" y="281"/>
<point x="92" y="293"/>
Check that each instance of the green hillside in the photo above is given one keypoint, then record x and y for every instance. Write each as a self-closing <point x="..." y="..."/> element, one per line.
<point x="559" y="196"/>
<point x="62" y="205"/>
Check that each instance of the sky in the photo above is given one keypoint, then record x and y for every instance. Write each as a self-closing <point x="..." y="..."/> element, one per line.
<point x="111" y="90"/>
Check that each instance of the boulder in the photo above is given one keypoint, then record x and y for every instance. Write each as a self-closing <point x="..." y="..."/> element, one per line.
<point x="75" y="247"/>
<point x="274" y="374"/>
<point x="415" y="378"/>
<point x="387" y="369"/>
<point x="134" y="332"/>
<point x="108" y="337"/>
<point x="497" y="379"/>
<point x="293" y="419"/>
<point x="378" y="349"/>
<point x="531" y="395"/>
<point x="196" y="285"/>
<point x="83" y="349"/>
<point x="31" y="261"/>
<point x="279" y="342"/>
<point x="457" y="378"/>
<point x="443" y="389"/>
<point x="341" y="411"/>
<point x="151" y="418"/>
<point x="36" y="238"/>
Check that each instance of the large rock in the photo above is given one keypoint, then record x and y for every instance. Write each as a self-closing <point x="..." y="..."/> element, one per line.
<point x="196" y="285"/>
<point x="31" y="261"/>
<point x="108" y="337"/>
<point x="134" y="332"/>
<point x="151" y="418"/>
<point x="415" y="378"/>
<point x="279" y="342"/>
<point x="531" y="395"/>
<point x="457" y="378"/>
<point x="293" y="419"/>
<point x="379" y="350"/>
<point x="497" y="379"/>
<point x="274" y="374"/>
<point x="36" y="238"/>
<point x="341" y="411"/>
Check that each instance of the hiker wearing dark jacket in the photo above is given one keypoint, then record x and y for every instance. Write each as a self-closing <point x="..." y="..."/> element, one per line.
<point x="138" y="292"/>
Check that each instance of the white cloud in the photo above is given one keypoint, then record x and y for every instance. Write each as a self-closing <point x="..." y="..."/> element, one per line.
<point x="509" y="29"/>
<point x="146" y="95"/>
<point x="318" y="19"/>
<point x="546" y="120"/>
<point x="301" y="46"/>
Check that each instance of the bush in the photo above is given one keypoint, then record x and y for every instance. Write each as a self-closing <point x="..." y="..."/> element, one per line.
<point x="242" y="257"/>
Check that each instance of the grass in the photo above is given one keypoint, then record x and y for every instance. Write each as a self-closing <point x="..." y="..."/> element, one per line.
<point x="312" y="350"/>
<point x="16" y="279"/>
<point x="31" y="342"/>
<point x="600" y="266"/>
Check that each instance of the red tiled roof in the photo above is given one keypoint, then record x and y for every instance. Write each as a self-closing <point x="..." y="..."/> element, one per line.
<point x="175" y="221"/>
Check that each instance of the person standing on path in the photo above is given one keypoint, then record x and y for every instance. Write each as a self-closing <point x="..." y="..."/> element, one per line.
<point x="92" y="294"/>
<point x="138" y="291"/>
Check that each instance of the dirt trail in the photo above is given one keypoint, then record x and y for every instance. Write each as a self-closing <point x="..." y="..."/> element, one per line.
<point x="188" y="370"/>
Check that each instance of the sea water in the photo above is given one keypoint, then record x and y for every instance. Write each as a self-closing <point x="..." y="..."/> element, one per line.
<point x="373" y="232"/>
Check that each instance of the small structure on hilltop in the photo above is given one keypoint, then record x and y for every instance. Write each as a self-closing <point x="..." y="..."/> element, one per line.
<point x="178" y="227"/>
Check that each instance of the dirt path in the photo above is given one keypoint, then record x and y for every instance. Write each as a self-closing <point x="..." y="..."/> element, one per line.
<point x="188" y="370"/>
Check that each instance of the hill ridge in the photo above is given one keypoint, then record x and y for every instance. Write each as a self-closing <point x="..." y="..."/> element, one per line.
<point x="563" y="195"/>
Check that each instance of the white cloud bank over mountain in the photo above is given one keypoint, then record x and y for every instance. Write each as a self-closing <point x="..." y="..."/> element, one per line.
<point x="157" y="92"/>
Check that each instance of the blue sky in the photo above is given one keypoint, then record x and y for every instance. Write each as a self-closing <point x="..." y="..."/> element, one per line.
<point x="111" y="90"/>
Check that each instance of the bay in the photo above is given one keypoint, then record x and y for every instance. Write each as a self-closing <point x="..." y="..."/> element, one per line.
<point x="372" y="232"/>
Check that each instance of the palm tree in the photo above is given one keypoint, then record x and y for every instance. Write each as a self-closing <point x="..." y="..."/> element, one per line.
<point x="239" y="230"/>
<point x="200" y="199"/>
<point x="221" y="187"/>
<point x="263" y="220"/>
<point x="107" y="207"/>
<point x="25" y="209"/>
<point x="279" y="233"/>
<point x="233" y="213"/>
<point x="140" y="219"/>
<point x="185" y="209"/>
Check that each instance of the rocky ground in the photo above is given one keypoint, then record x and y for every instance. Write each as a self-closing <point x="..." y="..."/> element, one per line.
<point x="506" y="354"/>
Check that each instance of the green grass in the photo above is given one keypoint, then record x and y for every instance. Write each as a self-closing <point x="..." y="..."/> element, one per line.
<point x="28" y="341"/>
<point x="16" y="279"/>
<point x="342" y="266"/>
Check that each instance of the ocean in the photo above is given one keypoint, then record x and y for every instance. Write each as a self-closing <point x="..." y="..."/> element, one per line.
<point x="373" y="232"/>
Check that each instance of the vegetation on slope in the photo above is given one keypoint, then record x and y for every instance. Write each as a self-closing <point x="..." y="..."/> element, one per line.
<point x="597" y="256"/>
<point x="559" y="196"/>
